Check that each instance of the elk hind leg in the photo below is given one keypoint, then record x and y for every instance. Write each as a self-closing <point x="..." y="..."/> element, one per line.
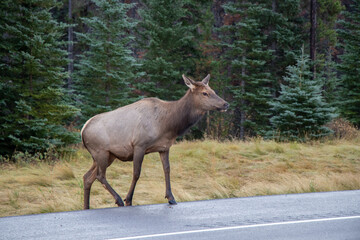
<point x="89" y="178"/>
<point x="101" y="176"/>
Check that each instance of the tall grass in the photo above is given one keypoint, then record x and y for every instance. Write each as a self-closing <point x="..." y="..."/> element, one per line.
<point x="199" y="170"/>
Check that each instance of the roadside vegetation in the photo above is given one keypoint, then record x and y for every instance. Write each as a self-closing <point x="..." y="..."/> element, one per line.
<point x="65" y="61"/>
<point x="199" y="170"/>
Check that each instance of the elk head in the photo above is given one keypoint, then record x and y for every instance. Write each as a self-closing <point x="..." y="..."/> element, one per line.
<point x="204" y="97"/>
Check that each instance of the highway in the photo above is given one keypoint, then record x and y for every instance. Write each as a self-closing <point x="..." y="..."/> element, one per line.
<point x="328" y="215"/>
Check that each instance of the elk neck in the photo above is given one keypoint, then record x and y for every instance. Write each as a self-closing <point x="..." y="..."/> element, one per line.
<point x="184" y="114"/>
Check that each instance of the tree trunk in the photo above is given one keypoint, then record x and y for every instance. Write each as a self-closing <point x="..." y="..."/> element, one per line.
<point x="218" y="12"/>
<point x="107" y="89"/>
<point x="273" y="47"/>
<point x="107" y="81"/>
<point x="313" y="36"/>
<point x="242" y="102"/>
<point x="70" y="47"/>
<point x="208" y="124"/>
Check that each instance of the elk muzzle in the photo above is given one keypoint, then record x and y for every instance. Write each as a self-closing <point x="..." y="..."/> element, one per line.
<point x="224" y="107"/>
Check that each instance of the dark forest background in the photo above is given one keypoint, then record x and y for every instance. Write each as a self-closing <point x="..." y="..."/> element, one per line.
<point x="287" y="67"/>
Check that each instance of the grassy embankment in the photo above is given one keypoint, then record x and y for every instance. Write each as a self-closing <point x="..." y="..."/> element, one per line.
<point x="200" y="170"/>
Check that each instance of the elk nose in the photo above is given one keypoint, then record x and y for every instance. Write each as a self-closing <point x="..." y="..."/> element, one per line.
<point x="226" y="105"/>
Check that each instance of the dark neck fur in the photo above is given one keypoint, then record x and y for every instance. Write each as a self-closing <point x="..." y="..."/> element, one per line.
<point x="184" y="114"/>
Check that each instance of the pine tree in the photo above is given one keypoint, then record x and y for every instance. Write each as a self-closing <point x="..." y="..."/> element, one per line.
<point x="286" y="36"/>
<point x="350" y="64"/>
<point x="168" y="43"/>
<point x="280" y="25"/>
<point x="246" y="55"/>
<point x="328" y="13"/>
<point x="331" y="81"/>
<point x="34" y="106"/>
<point x="300" y="111"/>
<point x="106" y="70"/>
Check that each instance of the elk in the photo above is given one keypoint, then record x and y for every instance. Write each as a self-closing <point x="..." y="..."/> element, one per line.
<point x="146" y="126"/>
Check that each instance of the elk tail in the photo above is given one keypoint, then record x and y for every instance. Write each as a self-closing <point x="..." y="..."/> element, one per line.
<point x="82" y="132"/>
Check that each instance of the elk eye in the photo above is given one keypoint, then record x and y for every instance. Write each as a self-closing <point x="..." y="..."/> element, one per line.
<point x="205" y="94"/>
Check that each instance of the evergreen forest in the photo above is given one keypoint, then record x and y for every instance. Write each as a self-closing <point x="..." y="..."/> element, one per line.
<point x="287" y="67"/>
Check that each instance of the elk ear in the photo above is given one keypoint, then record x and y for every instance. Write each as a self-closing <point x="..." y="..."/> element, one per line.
<point x="206" y="80"/>
<point x="190" y="83"/>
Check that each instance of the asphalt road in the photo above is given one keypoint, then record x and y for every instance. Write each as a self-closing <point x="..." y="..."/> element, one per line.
<point x="330" y="215"/>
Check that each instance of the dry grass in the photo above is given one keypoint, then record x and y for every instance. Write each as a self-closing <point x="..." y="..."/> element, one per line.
<point x="200" y="170"/>
<point x="343" y="129"/>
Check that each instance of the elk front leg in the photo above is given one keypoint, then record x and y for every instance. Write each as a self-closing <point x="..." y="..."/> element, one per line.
<point x="166" y="165"/>
<point x="137" y="162"/>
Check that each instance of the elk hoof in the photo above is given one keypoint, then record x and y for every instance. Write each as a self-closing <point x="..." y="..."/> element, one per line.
<point x="128" y="203"/>
<point x="119" y="202"/>
<point x="172" y="202"/>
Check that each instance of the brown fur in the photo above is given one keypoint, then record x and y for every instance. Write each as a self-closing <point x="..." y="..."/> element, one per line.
<point x="149" y="125"/>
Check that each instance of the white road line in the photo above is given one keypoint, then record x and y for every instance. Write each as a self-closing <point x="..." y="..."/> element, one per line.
<point x="236" y="227"/>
